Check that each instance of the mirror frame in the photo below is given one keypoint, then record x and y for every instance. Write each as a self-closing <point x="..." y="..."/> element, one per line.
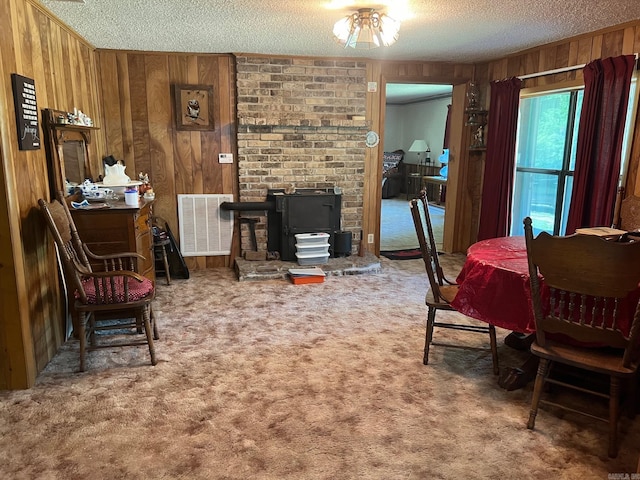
<point x="57" y="132"/>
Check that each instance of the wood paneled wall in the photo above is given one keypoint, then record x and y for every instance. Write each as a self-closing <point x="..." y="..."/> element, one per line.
<point x="140" y="128"/>
<point x="34" y="44"/>
<point x="466" y="169"/>
<point x="611" y="42"/>
<point x="136" y="124"/>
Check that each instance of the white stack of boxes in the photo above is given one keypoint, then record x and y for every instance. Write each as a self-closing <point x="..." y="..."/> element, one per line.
<point x="312" y="248"/>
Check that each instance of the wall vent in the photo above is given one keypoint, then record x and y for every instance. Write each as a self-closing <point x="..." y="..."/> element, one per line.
<point x="205" y="229"/>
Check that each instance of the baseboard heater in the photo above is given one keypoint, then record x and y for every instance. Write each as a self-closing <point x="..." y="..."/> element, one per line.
<point x="205" y="228"/>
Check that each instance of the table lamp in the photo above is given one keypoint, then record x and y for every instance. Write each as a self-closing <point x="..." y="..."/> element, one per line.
<point x="420" y="146"/>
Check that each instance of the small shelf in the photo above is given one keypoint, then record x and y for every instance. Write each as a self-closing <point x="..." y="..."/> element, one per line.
<point x="59" y="119"/>
<point x="64" y="129"/>
<point x="74" y="127"/>
<point x="477" y="119"/>
<point x="476" y="116"/>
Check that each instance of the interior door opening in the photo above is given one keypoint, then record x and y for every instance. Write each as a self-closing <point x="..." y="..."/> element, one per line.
<point x="414" y="131"/>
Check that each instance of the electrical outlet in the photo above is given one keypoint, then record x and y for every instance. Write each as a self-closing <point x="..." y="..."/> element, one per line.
<point x="370" y="238"/>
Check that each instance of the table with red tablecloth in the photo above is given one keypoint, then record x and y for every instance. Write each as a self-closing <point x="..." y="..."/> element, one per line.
<point x="495" y="288"/>
<point x="494" y="284"/>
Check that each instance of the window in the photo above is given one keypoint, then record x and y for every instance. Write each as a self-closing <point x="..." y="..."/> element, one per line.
<point x="546" y="146"/>
<point x="545" y="160"/>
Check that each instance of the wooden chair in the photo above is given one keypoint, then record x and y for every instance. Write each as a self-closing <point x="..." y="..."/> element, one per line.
<point x="616" y="208"/>
<point x="583" y="301"/>
<point x="439" y="294"/>
<point x="117" y="299"/>
<point x="630" y="213"/>
<point x="422" y="196"/>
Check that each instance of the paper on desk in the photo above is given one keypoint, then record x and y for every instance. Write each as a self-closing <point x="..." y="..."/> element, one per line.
<point x="600" y="231"/>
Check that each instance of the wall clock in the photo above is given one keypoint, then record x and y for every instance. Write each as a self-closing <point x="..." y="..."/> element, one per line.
<point x="372" y="139"/>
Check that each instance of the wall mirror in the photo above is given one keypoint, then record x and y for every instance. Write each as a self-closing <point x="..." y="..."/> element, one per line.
<point x="67" y="147"/>
<point x="74" y="159"/>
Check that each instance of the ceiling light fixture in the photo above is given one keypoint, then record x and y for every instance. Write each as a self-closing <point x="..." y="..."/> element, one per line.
<point x="366" y="28"/>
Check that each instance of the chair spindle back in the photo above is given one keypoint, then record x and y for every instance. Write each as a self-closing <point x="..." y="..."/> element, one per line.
<point x="585" y="287"/>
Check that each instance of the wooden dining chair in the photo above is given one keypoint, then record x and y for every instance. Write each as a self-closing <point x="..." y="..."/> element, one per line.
<point x="440" y="294"/>
<point x="422" y="196"/>
<point x="630" y="213"/>
<point x="116" y="300"/>
<point x="580" y="291"/>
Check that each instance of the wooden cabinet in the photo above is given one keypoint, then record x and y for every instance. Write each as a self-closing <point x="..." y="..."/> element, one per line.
<point x="119" y="228"/>
<point x="416" y="180"/>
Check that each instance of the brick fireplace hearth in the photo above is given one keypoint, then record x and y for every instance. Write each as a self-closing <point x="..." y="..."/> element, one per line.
<point x="301" y="124"/>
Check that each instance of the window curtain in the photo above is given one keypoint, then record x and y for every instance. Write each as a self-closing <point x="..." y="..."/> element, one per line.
<point x="447" y="128"/>
<point x="599" y="148"/>
<point x="495" y="213"/>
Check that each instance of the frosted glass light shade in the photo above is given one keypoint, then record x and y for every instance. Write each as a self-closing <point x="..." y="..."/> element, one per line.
<point x="366" y="28"/>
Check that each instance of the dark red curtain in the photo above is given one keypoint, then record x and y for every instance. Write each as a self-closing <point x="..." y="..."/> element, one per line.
<point x="447" y="128"/>
<point x="497" y="189"/>
<point x="599" y="149"/>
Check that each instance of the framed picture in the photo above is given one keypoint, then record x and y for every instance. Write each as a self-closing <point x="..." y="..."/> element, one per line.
<point x="194" y="107"/>
<point x="24" y="99"/>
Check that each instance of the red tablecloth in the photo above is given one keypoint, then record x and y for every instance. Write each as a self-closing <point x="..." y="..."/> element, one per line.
<point x="495" y="288"/>
<point x="494" y="284"/>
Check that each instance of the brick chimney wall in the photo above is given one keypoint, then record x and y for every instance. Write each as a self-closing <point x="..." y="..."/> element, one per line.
<point x="301" y="123"/>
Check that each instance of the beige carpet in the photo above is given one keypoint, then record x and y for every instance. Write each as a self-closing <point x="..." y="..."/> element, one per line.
<point x="397" y="231"/>
<point x="268" y="380"/>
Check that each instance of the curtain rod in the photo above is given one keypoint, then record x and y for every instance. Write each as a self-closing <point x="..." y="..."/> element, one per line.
<point x="557" y="70"/>
<point x="551" y="72"/>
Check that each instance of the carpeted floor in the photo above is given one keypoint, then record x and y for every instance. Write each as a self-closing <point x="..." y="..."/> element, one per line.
<point x="269" y="380"/>
<point x="396" y="225"/>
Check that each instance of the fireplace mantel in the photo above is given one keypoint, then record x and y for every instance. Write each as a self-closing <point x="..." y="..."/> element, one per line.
<point x="324" y="129"/>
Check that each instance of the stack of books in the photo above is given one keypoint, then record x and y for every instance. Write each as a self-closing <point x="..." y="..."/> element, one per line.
<point x="300" y="276"/>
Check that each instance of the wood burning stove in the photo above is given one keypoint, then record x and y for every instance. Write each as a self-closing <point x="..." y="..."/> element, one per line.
<point x="308" y="210"/>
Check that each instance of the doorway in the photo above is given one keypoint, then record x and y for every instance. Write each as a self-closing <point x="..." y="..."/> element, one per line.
<point x="415" y="118"/>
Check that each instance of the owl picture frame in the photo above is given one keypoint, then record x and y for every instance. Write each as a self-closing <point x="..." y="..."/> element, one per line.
<point x="193" y="107"/>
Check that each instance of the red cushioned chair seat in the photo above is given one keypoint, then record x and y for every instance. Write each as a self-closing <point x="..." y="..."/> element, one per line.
<point x="137" y="290"/>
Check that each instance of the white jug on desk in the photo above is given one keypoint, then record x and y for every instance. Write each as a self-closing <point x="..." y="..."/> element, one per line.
<point x="114" y="174"/>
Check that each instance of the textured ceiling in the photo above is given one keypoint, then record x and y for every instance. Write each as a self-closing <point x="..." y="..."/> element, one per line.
<point x="432" y="30"/>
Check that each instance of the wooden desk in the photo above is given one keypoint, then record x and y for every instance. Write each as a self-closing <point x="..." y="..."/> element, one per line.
<point x="438" y="182"/>
<point x="435" y="179"/>
<point x="119" y="228"/>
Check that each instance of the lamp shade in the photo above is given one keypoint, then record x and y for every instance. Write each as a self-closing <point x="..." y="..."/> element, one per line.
<point x="419" y="146"/>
